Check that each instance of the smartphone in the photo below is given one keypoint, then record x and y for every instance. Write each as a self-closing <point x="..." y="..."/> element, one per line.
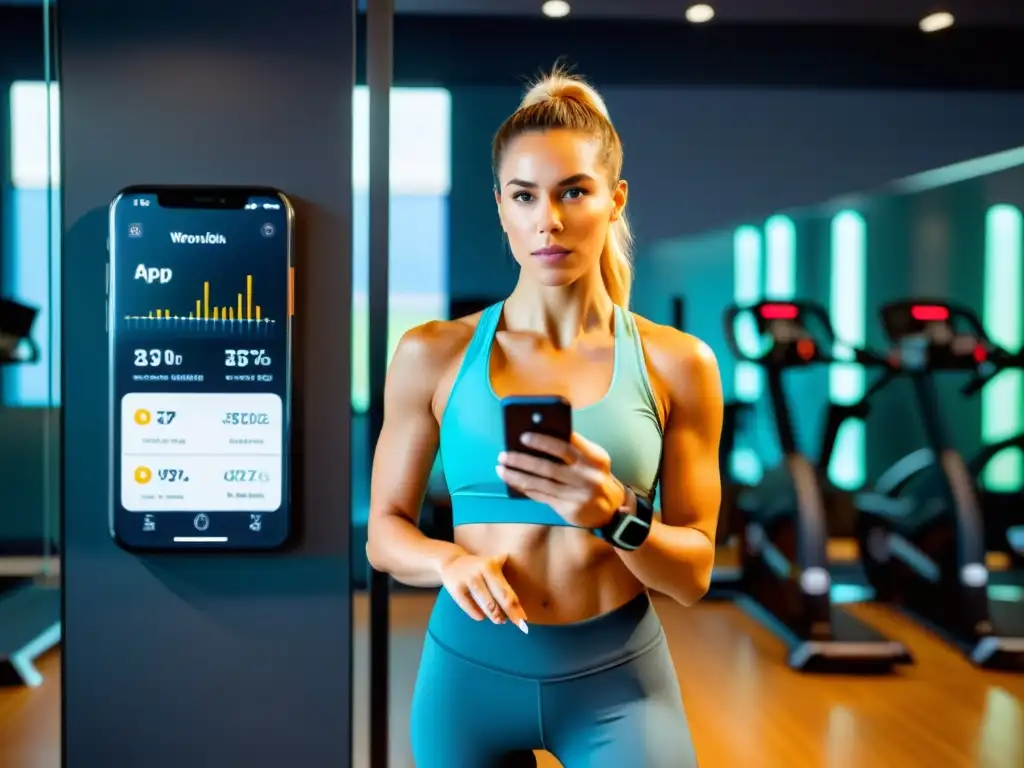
<point x="542" y="414"/>
<point x="199" y="323"/>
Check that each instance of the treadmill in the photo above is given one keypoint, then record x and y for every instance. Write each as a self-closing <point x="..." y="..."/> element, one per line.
<point x="784" y="578"/>
<point x="917" y="475"/>
<point x="926" y="553"/>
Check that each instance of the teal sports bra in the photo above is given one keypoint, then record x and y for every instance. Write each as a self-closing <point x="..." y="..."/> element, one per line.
<point x="624" y="422"/>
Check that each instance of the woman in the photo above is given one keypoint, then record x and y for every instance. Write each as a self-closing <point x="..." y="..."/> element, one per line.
<point x="544" y="636"/>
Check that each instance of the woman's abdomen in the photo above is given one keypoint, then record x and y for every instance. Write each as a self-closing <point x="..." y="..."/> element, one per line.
<point x="561" y="575"/>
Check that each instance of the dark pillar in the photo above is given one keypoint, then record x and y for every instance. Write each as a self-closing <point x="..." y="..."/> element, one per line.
<point x="379" y="71"/>
<point x="180" y="661"/>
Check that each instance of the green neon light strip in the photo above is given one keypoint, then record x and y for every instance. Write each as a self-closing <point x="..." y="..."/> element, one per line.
<point x="847" y="295"/>
<point x="747" y="290"/>
<point x="747" y="383"/>
<point x="780" y="253"/>
<point x="780" y="285"/>
<point x="1001" y="399"/>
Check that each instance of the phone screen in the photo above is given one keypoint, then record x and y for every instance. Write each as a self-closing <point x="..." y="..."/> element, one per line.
<point x="199" y="321"/>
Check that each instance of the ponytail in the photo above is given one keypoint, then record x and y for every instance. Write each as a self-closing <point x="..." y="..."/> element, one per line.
<point x="561" y="100"/>
<point x="617" y="261"/>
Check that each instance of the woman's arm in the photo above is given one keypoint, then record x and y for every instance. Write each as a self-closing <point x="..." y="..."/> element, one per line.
<point x="405" y="455"/>
<point x="679" y="553"/>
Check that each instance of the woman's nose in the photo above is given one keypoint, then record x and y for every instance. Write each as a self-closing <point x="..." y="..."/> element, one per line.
<point x="549" y="219"/>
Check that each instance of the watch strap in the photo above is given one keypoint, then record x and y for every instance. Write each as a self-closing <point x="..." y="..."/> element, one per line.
<point x="628" y="529"/>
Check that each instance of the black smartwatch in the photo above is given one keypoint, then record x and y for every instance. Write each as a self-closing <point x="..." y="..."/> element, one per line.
<point x="628" y="528"/>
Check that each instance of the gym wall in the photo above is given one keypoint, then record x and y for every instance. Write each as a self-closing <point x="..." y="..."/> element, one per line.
<point x="209" y="659"/>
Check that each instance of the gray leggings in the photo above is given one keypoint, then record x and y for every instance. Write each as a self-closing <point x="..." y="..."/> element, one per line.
<point x="601" y="693"/>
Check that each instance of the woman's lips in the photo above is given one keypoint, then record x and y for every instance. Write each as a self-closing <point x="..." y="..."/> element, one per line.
<point x="551" y="255"/>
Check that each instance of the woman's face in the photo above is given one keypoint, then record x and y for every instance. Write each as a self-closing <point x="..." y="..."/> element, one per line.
<point x="556" y="202"/>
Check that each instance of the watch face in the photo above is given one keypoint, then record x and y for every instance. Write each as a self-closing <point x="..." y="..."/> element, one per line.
<point x="633" y="532"/>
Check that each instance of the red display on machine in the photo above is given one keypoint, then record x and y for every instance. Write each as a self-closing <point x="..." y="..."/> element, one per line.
<point x="929" y="313"/>
<point x="779" y="311"/>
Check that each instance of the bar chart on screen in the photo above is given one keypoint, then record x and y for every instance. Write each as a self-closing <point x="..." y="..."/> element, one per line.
<point x="214" y="311"/>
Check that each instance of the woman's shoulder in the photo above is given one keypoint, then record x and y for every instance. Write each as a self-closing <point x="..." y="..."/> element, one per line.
<point x="683" y="363"/>
<point x="670" y="345"/>
<point x="433" y="346"/>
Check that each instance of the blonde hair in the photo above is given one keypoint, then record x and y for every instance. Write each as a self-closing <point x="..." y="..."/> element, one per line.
<point x="564" y="101"/>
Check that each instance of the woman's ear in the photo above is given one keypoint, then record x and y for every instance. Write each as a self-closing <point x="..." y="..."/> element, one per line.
<point x="619" y="196"/>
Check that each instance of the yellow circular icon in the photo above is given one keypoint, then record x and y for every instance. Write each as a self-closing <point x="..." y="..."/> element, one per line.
<point x="142" y="417"/>
<point x="143" y="475"/>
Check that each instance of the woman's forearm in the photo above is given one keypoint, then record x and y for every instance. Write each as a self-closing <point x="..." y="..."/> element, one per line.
<point x="675" y="561"/>
<point x="396" y="546"/>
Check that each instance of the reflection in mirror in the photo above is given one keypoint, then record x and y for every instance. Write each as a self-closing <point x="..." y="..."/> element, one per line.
<point x="29" y="353"/>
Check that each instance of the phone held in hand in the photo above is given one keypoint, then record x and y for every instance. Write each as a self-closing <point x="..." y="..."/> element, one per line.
<point x="541" y="414"/>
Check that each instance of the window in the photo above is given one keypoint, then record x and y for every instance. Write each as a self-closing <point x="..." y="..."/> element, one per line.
<point x="31" y="263"/>
<point x="418" y="247"/>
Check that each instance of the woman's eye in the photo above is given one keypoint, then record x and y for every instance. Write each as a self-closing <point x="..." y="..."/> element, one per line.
<point x="571" y="194"/>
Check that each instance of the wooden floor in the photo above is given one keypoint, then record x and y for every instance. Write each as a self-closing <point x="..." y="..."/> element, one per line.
<point x="745" y="707"/>
<point x="30" y="721"/>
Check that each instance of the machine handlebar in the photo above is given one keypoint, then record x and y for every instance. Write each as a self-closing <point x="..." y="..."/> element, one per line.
<point x="946" y="337"/>
<point x="779" y="334"/>
<point x="931" y="335"/>
<point x="997" y="360"/>
<point x="871" y="359"/>
<point x="789" y="334"/>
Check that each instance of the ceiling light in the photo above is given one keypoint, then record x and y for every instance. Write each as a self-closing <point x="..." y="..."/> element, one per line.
<point x="700" y="13"/>
<point x="933" y="22"/>
<point x="555" y="9"/>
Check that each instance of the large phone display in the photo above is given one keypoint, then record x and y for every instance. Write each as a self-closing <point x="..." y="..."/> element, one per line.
<point x="199" y="321"/>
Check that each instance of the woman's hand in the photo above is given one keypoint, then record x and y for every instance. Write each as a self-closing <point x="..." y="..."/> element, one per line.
<point x="577" y="482"/>
<point x="479" y="587"/>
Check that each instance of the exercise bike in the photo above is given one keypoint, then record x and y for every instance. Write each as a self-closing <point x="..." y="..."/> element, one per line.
<point x="784" y="577"/>
<point x="926" y="555"/>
